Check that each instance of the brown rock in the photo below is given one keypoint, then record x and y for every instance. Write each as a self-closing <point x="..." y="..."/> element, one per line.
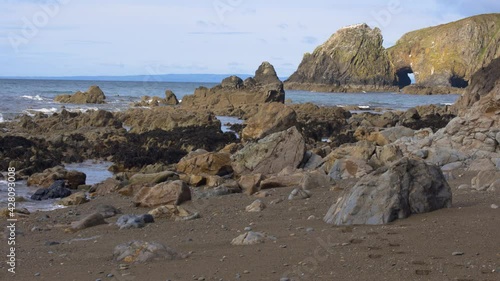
<point x="203" y="162"/>
<point x="250" y="183"/>
<point x="93" y="95"/>
<point x="74" y="199"/>
<point x="270" y="118"/>
<point x="169" y="193"/>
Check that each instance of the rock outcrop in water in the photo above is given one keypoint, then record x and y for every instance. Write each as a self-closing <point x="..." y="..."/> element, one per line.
<point x="233" y="94"/>
<point x="93" y="95"/>
<point x="448" y="54"/>
<point x="443" y="58"/>
<point x="353" y="59"/>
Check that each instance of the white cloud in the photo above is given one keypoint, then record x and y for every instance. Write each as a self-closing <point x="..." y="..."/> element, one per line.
<point x="206" y="36"/>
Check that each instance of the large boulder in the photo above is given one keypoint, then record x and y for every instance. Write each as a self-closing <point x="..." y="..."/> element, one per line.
<point x="271" y="154"/>
<point x="169" y="193"/>
<point x="407" y="187"/>
<point x="270" y="118"/>
<point x="202" y="162"/>
<point x="351" y="60"/>
<point x="93" y="95"/>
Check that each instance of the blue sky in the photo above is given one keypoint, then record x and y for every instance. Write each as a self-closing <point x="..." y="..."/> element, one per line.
<point x="125" y="37"/>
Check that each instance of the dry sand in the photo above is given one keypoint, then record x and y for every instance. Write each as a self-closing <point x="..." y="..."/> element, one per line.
<point x="417" y="248"/>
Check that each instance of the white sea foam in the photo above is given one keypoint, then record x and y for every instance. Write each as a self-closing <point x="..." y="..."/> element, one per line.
<point x="46" y="111"/>
<point x="37" y="97"/>
<point x="364" y="106"/>
<point x="83" y="110"/>
<point x="1" y="118"/>
<point x="447" y="103"/>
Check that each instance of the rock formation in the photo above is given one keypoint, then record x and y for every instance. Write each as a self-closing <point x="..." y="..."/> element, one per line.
<point x="443" y="58"/>
<point x="93" y="95"/>
<point x="233" y="93"/>
<point x="448" y="54"/>
<point x="353" y="59"/>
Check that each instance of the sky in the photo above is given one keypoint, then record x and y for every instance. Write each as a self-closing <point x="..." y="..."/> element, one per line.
<point x="125" y="37"/>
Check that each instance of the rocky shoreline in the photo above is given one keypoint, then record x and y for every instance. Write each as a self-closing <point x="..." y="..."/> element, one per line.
<point x="376" y="176"/>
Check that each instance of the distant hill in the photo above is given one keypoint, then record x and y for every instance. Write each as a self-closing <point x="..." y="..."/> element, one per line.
<point x="199" y="78"/>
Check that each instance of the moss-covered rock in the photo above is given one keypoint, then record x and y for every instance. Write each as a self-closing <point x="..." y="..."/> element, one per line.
<point x="448" y="54"/>
<point x="352" y="59"/>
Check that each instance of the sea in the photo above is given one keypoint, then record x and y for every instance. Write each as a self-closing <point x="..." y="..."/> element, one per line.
<point x="25" y="96"/>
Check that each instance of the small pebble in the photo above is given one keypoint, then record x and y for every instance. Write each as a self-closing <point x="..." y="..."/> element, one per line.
<point x="248" y="228"/>
<point x="310" y="229"/>
<point x="285" y="279"/>
<point x="457" y="254"/>
<point x="310" y="218"/>
<point x="246" y="272"/>
<point x="494" y="206"/>
<point x="110" y="275"/>
<point x="37" y="274"/>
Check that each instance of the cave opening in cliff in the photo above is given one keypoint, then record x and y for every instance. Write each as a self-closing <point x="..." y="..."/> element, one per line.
<point x="404" y="78"/>
<point x="458" y="82"/>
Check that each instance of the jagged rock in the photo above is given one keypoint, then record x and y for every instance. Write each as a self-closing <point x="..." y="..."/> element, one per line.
<point x="441" y="56"/>
<point x="74" y="199"/>
<point x="353" y="59"/>
<point x="169" y="193"/>
<point x="270" y="118"/>
<point x="170" y="98"/>
<point x="407" y="187"/>
<point x="56" y="190"/>
<point x="202" y="162"/>
<point x="271" y="154"/>
<point x="46" y="178"/>
<point x="93" y="95"/>
<point x="232" y="82"/>
<point x="143" y="252"/>
<point x="232" y="95"/>
<point x="256" y="206"/>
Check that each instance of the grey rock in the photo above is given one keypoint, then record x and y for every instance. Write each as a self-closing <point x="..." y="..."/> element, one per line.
<point x="134" y="221"/>
<point x="299" y="194"/>
<point x="56" y="190"/>
<point x="407" y="187"/>
<point x="271" y="154"/>
<point x="251" y="238"/>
